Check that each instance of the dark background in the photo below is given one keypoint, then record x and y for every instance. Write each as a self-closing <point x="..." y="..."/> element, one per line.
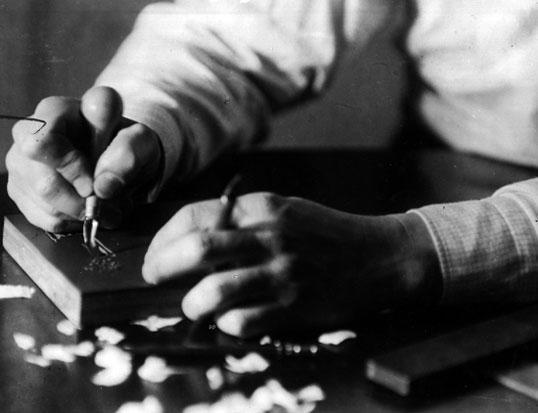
<point x="58" y="47"/>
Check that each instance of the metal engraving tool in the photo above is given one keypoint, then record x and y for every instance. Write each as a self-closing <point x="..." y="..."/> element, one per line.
<point x="91" y="224"/>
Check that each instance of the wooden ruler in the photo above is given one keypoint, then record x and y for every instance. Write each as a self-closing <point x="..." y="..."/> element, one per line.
<point x="405" y="369"/>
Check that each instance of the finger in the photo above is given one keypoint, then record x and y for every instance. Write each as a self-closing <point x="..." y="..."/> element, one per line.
<point x="250" y="210"/>
<point x="51" y="146"/>
<point x="220" y="291"/>
<point x="38" y="216"/>
<point x="44" y="186"/>
<point x="132" y="158"/>
<point x="255" y="320"/>
<point x="202" y="250"/>
<point x="102" y="108"/>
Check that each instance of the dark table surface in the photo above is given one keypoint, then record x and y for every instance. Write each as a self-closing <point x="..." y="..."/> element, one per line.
<point x="361" y="182"/>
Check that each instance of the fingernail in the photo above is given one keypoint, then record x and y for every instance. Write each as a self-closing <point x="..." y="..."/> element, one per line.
<point x="84" y="186"/>
<point x="192" y="306"/>
<point x="107" y="185"/>
<point x="148" y="273"/>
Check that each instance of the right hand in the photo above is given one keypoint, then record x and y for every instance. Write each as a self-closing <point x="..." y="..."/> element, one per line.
<point x="86" y="147"/>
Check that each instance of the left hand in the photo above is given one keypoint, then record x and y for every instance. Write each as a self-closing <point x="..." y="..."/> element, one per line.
<point x="287" y="263"/>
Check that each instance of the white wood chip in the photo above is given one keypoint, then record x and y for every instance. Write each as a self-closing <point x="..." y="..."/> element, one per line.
<point x="149" y="405"/>
<point x="57" y="352"/>
<point x="36" y="359"/>
<point x="267" y="398"/>
<point x="109" y="335"/>
<point x="66" y="327"/>
<point x="111" y="356"/>
<point x="311" y="394"/>
<point x="155" y="370"/>
<point x="251" y="363"/>
<point x="155" y="323"/>
<point x="215" y="378"/>
<point x="84" y="349"/>
<point x="198" y="408"/>
<point x="24" y="341"/>
<point x="262" y="399"/>
<point x="116" y="364"/>
<point x="336" y="338"/>
<point x="265" y="340"/>
<point x="111" y="377"/>
<point x="16" y="291"/>
<point x="281" y="396"/>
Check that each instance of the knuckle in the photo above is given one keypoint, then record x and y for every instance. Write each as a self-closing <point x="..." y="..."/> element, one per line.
<point x="238" y="323"/>
<point x="33" y="147"/>
<point x="11" y="191"/>
<point x="202" y="245"/>
<point x="270" y="202"/>
<point x="216" y="291"/>
<point x="53" y="103"/>
<point x="284" y="267"/>
<point x="46" y="187"/>
<point x="11" y="165"/>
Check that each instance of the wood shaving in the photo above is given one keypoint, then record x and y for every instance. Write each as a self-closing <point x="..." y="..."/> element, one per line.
<point x="215" y="378"/>
<point x="116" y="364"/>
<point x="111" y="377"/>
<point x="83" y="349"/>
<point x="67" y="353"/>
<point x="37" y="359"/>
<point x="111" y="356"/>
<point x="251" y="363"/>
<point x="335" y="338"/>
<point x="66" y="327"/>
<point x="155" y="323"/>
<point x="57" y="352"/>
<point x="109" y="335"/>
<point x="149" y="405"/>
<point x="265" y="340"/>
<point x="24" y="341"/>
<point x="267" y="398"/>
<point x="155" y="370"/>
<point x="311" y="393"/>
<point x="282" y="397"/>
<point x="16" y="291"/>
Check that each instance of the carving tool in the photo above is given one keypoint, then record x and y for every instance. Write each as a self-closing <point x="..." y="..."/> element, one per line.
<point x="12" y="117"/>
<point x="91" y="224"/>
<point x="227" y="200"/>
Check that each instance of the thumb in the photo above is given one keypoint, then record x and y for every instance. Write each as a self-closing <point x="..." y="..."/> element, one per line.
<point x="102" y="108"/>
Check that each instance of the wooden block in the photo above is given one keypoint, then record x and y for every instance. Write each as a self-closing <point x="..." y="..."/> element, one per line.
<point x="87" y="290"/>
<point x="522" y="378"/>
<point x="405" y="369"/>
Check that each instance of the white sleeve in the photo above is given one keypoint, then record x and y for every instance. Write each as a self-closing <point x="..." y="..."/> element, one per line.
<point x="206" y="74"/>
<point x="488" y="249"/>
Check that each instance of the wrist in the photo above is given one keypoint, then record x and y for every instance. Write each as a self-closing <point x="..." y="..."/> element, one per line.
<point x="418" y="273"/>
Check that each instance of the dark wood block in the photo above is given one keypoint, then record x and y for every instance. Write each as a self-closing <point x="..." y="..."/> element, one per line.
<point x="91" y="290"/>
<point x="408" y="368"/>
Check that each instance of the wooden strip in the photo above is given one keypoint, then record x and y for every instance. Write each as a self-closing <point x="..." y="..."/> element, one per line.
<point x="404" y="369"/>
<point x="522" y="379"/>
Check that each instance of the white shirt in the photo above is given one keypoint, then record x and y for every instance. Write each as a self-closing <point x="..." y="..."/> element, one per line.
<point x="206" y="76"/>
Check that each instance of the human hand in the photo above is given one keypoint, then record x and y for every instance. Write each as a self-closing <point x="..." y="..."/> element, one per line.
<point x="290" y="263"/>
<point x="86" y="147"/>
